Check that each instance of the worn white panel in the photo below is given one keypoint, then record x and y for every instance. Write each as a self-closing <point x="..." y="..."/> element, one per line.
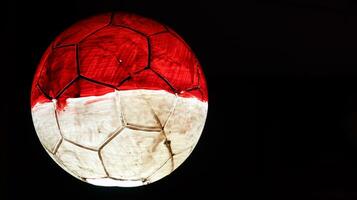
<point x="84" y="162"/>
<point x="136" y="109"/>
<point x="89" y="121"/>
<point x="59" y="162"/>
<point x="161" y="102"/>
<point x="134" y="154"/>
<point x="44" y="119"/>
<point x="185" y="125"/>
<point x="168" y="167"/>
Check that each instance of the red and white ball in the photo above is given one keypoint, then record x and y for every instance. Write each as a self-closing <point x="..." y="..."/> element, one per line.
<point x="119" y="100"/>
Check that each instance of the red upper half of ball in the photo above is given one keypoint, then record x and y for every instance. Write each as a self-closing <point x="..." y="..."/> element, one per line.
<point x="119" y="51"/>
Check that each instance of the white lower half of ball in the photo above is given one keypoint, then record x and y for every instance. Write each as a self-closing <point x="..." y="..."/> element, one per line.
<point x="123" y="138"/>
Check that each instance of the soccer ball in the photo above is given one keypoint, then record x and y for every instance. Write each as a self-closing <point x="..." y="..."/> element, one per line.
<point x="119" y="100"/>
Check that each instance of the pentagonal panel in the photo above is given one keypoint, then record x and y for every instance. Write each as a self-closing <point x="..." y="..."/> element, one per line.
<point x="146" y="79"/>
<point x="44" y="119"/>
<point x="82" y="29"/>
<point x="185" y="125"/>
<point x="137" y="111"/>
<point x="91" y="117"/>
<point x="84" y="162"/>
<point x="112" y="54"/>
<point x="59" y="70"/>
<point x="134" y="154"/>
<point x="141" y="24"/>
<point x="171" y="58"/>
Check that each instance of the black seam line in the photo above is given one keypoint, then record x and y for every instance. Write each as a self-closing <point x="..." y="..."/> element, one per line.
<point x="121" y="179"/>
<point x="80" y="145"/>
<point x="180" y="39"/>
<point x="196" y="87"/>
<point x="111" y="18"/>
<point x="166" y="28"/>
<point x="97" y="82"/>
<point x="123" y="81"/>
<point x="77" y="59"/>
<point x="158" y="33"/>
<point x="92" y="33"/>
<point x="67" y="86"/>
<point x="127" y="27"/>
<point x="102" y="163"/>
<point x="63" y="46"/>
<point x="44" y="65"/>
<point x="198" y="74"/>
<point x="43" y="92"/>
<point x="149" y="51"/>
<point x="165" y="80"/>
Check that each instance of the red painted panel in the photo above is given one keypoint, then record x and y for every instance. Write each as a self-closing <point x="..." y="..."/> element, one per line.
<point x="82" y="88"/>
<point x="109" y="55"/>
<point x="141" y="24"/>
<point x="82" y="29"/>
<point x="59" y="70"/>
<point x="173" y="60"/>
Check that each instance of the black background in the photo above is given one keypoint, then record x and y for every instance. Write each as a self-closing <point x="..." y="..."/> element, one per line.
<point x="282" y="99"/>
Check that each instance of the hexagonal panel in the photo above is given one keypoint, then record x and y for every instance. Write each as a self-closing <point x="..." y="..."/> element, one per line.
<point x="137" y="111"/>
<point x="44" y="119"/>
<point x="84" y="162"/>
<point x="192" y="113"/>
<point x="145" y="79"/>
<point x="161" y="102"/>
<point x="170" y="165"/>
<point x="134" y="154"/>
<point x="89" y="114"/>
<point x="82" y="29"/>
<point x="171" y="58"/>
<point x="59" y="70"/>
<point x="112" y="54"/>
<point x="141" y="24"/>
